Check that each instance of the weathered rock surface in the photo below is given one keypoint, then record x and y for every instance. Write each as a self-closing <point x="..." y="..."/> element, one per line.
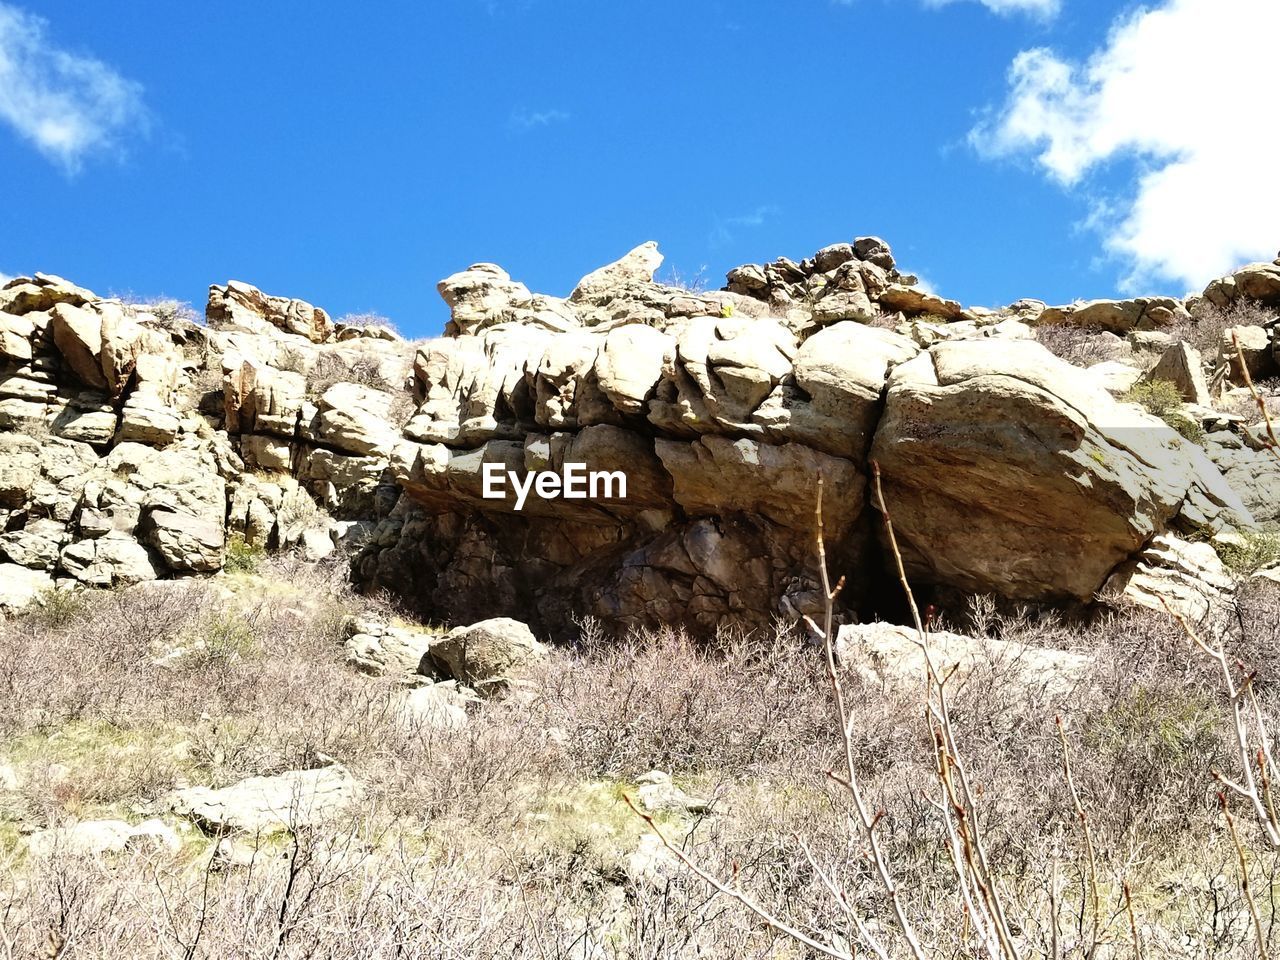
<point x="1000" y="461"/>
<point x="91" y="838"/>
<point x="260" y="805"/>
<point x="1189" y="577"/>
<point x="134" y="447"/>
<point x="491" y="652"/>
<point x="891" y="656"/>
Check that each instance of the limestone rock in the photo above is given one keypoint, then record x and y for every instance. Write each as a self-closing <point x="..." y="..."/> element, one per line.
<point x="436" y="706"/>
<point x="92" y="838"/>
<point x="1000" y="461"/>
<point x="20" y="586"/>
<point x="186" y="542"/>
<point x="356" y="419"/>
<point x="1256" y="281"/>
<point x="264" y="805"/>
<point x="484" y="296"/>
<point x="487" y="654"/>
<point x="380" y="648"/>
<point x="1251" y="351"/>
<point x="914" y="301"/>
<point x="240" y="306"/>
<point x="885" y="655"/>
<point x="638" y="265"/>
<point x="1189" y="576"/>
<point x="1182" y="366"/>
<point x="1118" y="316"/>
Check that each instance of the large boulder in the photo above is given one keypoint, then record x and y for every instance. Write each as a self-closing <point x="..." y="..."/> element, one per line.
<point x="490" y="653"/>
<point x="892" y="657"/>
<point x="241" y="306"/>
<point x="1007" y="470"/>
<point x="265" y="805"/>
<point x="1256" y="281"/>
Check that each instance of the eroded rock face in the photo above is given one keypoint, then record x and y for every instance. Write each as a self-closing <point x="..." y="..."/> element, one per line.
<point x="134" y="447"/>
<point x="1009" y="471"/>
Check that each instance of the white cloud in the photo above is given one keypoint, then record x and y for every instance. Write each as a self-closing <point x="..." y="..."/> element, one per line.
<point x="724" y="229"/>
<point x="531" y="120"/>
<point x="1044" y="9"/>
<point x="1181" y="91"/>
<point x="1038" y="8"/>
<point x="67" y="105"/>
<point x="4" y="278"/>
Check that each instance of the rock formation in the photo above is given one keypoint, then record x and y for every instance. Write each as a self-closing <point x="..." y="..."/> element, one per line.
<point x="135" y="446"/>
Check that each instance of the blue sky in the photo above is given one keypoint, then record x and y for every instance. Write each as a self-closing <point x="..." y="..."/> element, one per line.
<point x="1005" y="148"/>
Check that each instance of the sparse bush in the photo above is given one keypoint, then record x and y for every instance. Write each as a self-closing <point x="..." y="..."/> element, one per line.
<point x="298" y="512"/>
<point x="332" y="367"/>
<point x="367" y="319"/>
<point x="1081" y="346"/>
<point x="1209" y="323"/>
<point x="241" y="557"/>
<point x="1255" y="551"/>
<point x="1163" y="399"/>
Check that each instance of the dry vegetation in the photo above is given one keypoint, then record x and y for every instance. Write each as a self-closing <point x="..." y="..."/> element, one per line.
<point x="512" y="837"/>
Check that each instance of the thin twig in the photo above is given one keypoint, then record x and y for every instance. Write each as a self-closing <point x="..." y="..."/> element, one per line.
<point x="1274" y="445"/>
<point x="1245" y="887"/>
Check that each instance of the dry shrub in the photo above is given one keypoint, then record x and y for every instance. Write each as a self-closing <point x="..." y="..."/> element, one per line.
<point x="1209" y="323"/>
<point x="1082" y="346"/>
<point x="659" y="700"/>
<point x="331" y="368"/>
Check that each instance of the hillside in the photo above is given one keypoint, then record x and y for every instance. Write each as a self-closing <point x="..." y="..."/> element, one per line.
<point x="312" y="647"/>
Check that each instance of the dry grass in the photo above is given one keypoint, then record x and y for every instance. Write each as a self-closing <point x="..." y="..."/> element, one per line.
<point x="1205" y="331"/>
<point x="1082" y="346"/>
<point x="510" y="837"/>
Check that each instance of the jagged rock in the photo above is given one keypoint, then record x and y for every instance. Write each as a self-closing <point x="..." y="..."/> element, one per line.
<point x="115" y="559"/>
<point x="488" y="654"/>
<point x="260" y="398"/>
<point x="1115" y="376"/>
<point x="1118" y="316"/>
<point x="356" y="419"/>
<point x="630" y="364"/>
<point x="436" y="706"/>
<point x="1188" y="576"/>
<point x="840" y="374"/>
<point x="638" y="265"/>
<point x="484" y="296"/>
<point x="1251" y="471"/>
<point x="1251" y="351"/>
<point x="42" y="292"/>
<point x="913" y="301"/>
<point x="1256" y="281"/>
<point x="20" y="586"/>
<point x="240" y="306"/>
<point x="889" y="656"/>
<point x="656" y="793"/>
<point x="187" y="543"/>
<point x="263" y="805"/>
<point x="37" y="545"/>
<point x="91" y="838"/>
<point x="874" y="250"/>
<point x="1000" y="460"/>
<point x="379" y="648"/>
<point x="101" y="344"/>
<point x="1182" y="366"/>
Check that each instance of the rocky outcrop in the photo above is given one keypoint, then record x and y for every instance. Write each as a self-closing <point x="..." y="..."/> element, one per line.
<point x="1259" y="282"/>
<point x="1001" y="461"/>
<point x="266" y="805"/>
<point x="135" y="446"/>
<point x="890" y="656"/>
<point x="1117" y="316"/>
